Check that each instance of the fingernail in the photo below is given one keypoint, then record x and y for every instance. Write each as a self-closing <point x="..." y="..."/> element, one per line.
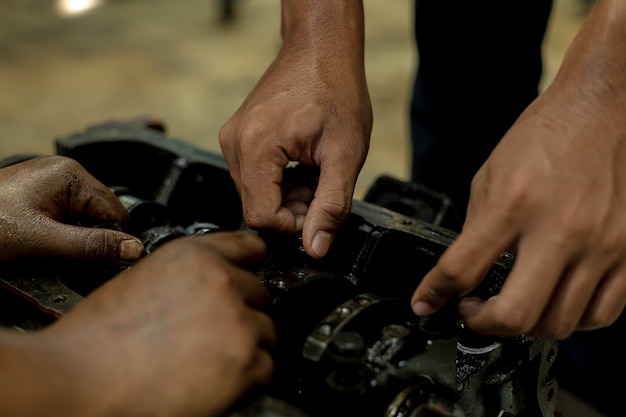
<point x="299" y="221"/>
<point x="321" y="243"/>
<point x="131" y="249"/>
<point x="421" y="308"/>
<point x="469" y="306"/>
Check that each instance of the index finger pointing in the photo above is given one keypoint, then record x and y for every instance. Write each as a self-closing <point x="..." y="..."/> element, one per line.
<point x="461" y="267"/>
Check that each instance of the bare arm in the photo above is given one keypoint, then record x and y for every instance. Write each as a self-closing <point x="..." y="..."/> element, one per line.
<point x="311" y="106"/>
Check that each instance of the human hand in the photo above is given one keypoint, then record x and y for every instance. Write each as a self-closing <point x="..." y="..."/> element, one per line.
<point x="311" y="106"/>
<point x="180" y="333"/>
<point x="49" y="207"/>
<point x="553" y="193"/>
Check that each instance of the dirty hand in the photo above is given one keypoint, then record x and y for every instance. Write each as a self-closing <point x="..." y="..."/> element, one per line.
<point x="48" y="206"/>
<point x="180" y="333"/>
<point x="554" y="193"/>
<point x="312" y="107"/>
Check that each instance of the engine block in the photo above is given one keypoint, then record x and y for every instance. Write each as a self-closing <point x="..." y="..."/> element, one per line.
<point x="349" y="343"/>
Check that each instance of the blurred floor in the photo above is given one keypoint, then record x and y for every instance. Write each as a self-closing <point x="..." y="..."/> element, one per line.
<point x="181" y="62"/>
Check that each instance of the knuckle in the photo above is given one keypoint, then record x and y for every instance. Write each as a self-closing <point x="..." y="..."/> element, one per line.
<point x="243" y="352"/>
<point x="59" y="160"/>
<point x="554" y="330"/>
<point x="222" y="283"/>
<point x="513" y="320"/>
<point x="335" y="205"/>
<point x="518" y="195"/>
<point x="67" y="167"/>
<point x="251" y="134"/>
<point x="571" y="230"/>
<point x="225" y="143"/>
<point x="561" y="332"/>
<point x="454" y="273"/>
<point x="600" y="317"/>
<point x="254" y="219"/>
<point x="432" y="295"/>
<point x="97" y="244"/>
<point x="612" y="242"/>
<point x="247" y="135"/>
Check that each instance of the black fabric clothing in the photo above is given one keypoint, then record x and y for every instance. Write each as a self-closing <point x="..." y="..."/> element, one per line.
<point x="479" y="66"/>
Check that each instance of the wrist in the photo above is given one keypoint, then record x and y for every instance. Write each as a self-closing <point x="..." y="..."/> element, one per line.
<point x="324" y="27"/>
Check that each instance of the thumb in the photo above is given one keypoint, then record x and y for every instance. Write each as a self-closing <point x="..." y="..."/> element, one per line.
<point x="89" y="244"/>
<point x="329" y="209"/>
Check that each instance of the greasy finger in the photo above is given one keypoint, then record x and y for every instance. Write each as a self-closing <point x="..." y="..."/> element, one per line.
<point x="251" y="288"/>
<point x="75" y="193"/>
<point x="96" y="204"/>
<point x="263" y="370"/>
<point x="85" y="243"/>
<point x="264" y="325"/>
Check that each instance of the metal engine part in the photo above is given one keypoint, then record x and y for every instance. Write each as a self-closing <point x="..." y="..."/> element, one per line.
<point x="349" y="343"/>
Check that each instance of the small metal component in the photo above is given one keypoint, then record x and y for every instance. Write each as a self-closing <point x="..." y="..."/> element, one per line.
<point x="157" y="236"/>
<point x="48" y="293"/>
<point x="201" y="228"/>
<point x="317" y="343"/>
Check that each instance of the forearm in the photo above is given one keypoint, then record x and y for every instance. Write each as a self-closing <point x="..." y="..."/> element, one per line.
<point x="594" y="67"/>
<point x="329" y="31"/>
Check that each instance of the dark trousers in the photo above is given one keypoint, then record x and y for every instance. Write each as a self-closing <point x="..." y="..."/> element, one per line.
<point x="479" y="66"/>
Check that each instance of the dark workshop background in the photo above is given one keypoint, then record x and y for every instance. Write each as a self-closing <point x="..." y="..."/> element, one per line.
<point x="191" y="63"/>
